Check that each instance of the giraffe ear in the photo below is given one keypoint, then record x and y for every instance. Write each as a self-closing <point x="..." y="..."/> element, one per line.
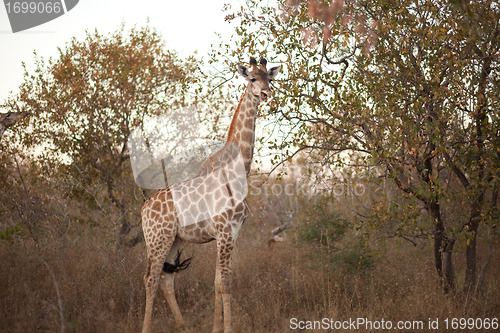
<point x="243" y="71"/>
<point x="273" y="72"/>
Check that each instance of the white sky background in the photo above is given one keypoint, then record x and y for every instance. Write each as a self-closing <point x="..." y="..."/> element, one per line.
<point x="186" y="26"/>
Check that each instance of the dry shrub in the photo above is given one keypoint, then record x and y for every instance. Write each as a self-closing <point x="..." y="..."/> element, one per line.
<point x="98" y="289"/>
<point x="101" y="288"/>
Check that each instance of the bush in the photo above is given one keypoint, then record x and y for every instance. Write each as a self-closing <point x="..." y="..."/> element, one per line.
<point x="334" y="237"/>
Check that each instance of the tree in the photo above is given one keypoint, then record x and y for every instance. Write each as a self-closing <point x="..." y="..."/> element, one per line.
<point x="84" y="105"/>
<point x="409" y="87"/>
<point x="476" y="161"/>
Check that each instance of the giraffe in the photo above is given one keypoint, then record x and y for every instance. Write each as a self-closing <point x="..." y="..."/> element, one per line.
<point x="165" y="231"/>
<point x="8" y="119"/>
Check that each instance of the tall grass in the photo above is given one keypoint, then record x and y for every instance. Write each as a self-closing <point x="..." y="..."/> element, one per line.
<point x="94" y="287"/>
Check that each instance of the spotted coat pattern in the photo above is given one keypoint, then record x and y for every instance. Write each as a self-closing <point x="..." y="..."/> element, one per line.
<point x="164" y="234"/>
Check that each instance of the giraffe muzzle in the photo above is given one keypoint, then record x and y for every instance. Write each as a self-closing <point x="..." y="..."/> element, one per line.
<point x="264" y="95"/>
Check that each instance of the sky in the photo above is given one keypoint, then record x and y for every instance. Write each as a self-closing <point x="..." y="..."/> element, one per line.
<point x="186" y="26"/>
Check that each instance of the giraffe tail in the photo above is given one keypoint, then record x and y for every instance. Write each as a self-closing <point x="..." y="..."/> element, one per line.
<point x="178" y="265"/>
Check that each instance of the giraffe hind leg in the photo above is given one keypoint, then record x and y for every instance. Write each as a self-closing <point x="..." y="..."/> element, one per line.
<point x="152" y="280"/>
<point x="168" y="277"/>
<point x="167" y="286"/>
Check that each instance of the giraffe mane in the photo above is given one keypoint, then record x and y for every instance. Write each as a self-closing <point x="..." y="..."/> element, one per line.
<point x="232" y="127"/>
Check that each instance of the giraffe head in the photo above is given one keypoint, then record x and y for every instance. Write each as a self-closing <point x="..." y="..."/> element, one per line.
<point x="259" y="77"/>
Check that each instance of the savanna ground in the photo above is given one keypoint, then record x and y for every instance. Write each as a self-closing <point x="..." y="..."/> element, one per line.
<point x="88" y="285"/>
<point x="398" y="93"/>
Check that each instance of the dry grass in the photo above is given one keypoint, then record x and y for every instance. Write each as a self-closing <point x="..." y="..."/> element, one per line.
<point x="101" y="290"/>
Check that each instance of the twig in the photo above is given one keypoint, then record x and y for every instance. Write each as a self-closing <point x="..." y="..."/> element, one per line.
<point x="58" y="293"/>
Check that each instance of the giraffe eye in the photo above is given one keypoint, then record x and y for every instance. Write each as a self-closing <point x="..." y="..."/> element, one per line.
<point x="253" y="80"/>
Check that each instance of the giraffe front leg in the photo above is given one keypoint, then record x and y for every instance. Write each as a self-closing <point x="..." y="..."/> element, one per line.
<point x="218" y="320"/>
<point x="167" y="283"/>
<point x="156" y="258"/>
<point x="223" y="282"/>
<point x="226" y="300"/>
<point x="167" y="286"/>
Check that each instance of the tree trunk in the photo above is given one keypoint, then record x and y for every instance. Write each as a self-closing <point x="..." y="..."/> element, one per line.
<point x="125" y="227"/>
<point x="438" y="237"/>
<point x="470" y="250"/>
<point x="481" y="122"/>
<point x="443" y="250"/>
<point x="482" y="272"/>
<point x="448" y="272"/>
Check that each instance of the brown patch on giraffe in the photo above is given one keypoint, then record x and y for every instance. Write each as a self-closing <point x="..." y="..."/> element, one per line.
<point x="160" y="195"/>
<point x="170" y="205"/>
<point x="246" y="135"/>
<point x="156" y="206"/>
<point x="249" y="123"/>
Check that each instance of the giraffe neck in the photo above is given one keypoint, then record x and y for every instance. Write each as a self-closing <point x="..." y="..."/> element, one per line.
<point x="242" y="129"/>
